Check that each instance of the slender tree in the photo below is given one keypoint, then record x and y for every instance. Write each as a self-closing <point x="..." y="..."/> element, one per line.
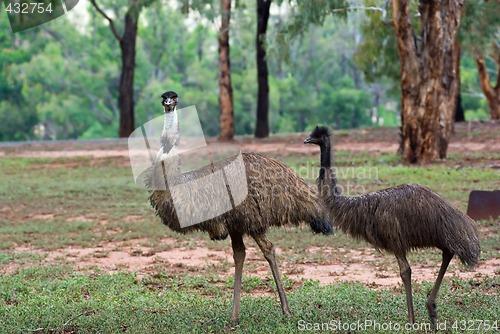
<point x="480" y="35"/>
<point x="458" y="112"/>
<point x="127" y="40"/>
<point x="262" y="126"/>
<point x="492" y="93"/>
<point x="225" y="87"/>
<point x="429" y="84"/>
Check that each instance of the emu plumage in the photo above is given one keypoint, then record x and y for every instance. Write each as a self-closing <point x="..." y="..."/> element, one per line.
<point x="277" y="196"/>
<point x="398" y="220"/>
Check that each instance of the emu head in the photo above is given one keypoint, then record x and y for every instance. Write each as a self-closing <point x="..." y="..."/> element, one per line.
<point x="169" y="101"/>
<point x="319" y="136"/>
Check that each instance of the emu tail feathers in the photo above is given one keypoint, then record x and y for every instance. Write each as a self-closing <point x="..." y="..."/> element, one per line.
<point x="469" y="255"/>
<point x="321" y="225"/>
<point x="463" y="241"/>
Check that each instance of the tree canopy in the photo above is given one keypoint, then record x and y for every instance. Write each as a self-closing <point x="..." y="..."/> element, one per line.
<point x="60" y="80"/>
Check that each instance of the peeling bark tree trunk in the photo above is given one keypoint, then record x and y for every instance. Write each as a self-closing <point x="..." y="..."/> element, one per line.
<point x="492" y="93"/>
<point x="262" y="126"/>
<point x="225" y="87"/>
<point x="428" y="80"/>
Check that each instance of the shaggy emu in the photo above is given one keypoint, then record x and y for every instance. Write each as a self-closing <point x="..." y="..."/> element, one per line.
<point x="277" y="196"/>
<point x="398" y="220"/>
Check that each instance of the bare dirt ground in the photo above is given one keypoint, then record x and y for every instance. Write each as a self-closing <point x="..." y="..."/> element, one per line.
<point x="363" y="266"/>
<point x="468" y="137"/>
<point x="366" y="266"/>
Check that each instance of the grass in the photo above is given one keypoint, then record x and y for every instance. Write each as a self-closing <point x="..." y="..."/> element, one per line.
<point x="48" y="300"/>
<point x="48" y="204"/>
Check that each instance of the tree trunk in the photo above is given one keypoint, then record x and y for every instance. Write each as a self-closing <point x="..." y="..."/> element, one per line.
<point x="127" y="47"/>
<point x="428" y="79"/>
<point x="458" y="112"/>
<point x="492" y="94"/>
<point x="262" y="126"/>
<point x="126" y="88"/>
<point x="225" y="87"/>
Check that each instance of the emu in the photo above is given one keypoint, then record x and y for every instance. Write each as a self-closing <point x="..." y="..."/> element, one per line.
<point x="398" y="219"/>
<point x="277" y="196"/>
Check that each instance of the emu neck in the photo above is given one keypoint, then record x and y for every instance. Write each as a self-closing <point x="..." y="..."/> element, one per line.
<point x="327" y="181"/>
<point x="325" y="158"/>
<point x="342" y="209"/>
<point x="167" y="156"/>
<point x="170" y="133"/>
<point x="170" y="123"/>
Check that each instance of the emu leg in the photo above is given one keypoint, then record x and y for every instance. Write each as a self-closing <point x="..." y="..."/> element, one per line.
<point x="267" y="249"/>
<point x="431" y="301"/>
<point x="405" y="272"/>
<point x="239" y="258"/>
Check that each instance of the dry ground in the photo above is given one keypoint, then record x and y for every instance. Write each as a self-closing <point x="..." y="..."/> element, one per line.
<point x="364" y="264"/>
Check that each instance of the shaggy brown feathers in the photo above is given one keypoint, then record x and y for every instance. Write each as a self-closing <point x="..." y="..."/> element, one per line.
<point x="398" y="220"/>
<point x="404" y="218"/>
<point x="277" y="196"/>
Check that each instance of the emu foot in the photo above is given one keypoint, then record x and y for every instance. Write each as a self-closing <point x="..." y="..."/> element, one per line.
<point x="231" y="326"/>
<point x="432" y="310"/>
<point x="286" y="310"/>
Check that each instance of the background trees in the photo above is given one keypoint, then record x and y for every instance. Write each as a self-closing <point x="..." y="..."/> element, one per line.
<point x="481" y="39"/>
<point x="429" y="85"/>
<point x="127" y="41"/>
<point x="225" y="86"/>
<point x="326" y="64"/>
<point x="262" y="125"/>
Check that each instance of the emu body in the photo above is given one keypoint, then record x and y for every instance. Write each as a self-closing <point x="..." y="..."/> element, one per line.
<point x="398" y="220"/>
<point x="277" y="196"/>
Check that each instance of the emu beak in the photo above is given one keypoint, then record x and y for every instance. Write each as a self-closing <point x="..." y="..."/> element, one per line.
<point x="308" y="140"/>
<point x="167" y="102"/>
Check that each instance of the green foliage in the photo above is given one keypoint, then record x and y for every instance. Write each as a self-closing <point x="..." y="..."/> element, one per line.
<point x="479" y="25"/>
<point x="377" y="56"/>
<point x="306" y="13"/>
<point x="16" y="122"/>
<point x="71" y="67"/>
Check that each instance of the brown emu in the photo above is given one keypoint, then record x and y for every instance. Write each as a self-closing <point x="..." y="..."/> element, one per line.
<point x="277" y="196"/>
<point x="398" y="220"/>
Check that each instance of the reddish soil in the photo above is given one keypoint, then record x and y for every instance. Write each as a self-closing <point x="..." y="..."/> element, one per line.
<point x="364" y="266"/>
<point x="468" y="137"/>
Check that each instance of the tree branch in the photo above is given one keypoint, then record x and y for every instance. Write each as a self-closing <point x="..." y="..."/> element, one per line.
<point x="484" y="77"/>
<point x="496" y="55"/>
<point x="111" y="23"/>
<point x="405" y="36"/>
<point x="345" y="9"/>
<point x="382" y="10"/>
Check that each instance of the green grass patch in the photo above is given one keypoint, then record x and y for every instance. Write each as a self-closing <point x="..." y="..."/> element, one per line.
<point x="49" y="300"/>
<point x="49" y="204"/>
